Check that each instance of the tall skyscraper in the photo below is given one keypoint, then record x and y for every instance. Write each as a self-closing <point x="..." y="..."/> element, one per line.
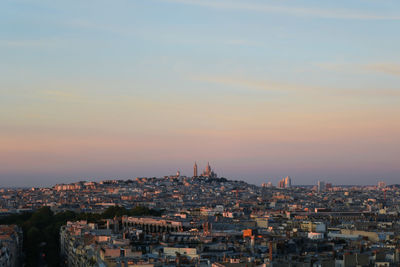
<point x="321" y="186"/>
<point x="288" y="182"/>
<point x="195" y="170"/>
<point x="281" y="183"/>
<point x="285" y="182"/>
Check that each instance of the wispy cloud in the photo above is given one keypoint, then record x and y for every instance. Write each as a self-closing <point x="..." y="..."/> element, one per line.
<point x="376" y="67"/>
<point x="388" y="68"/>
<point x="63" y="95"/>
<point x="375" y="93"/>
<point x="96" y="26"/>
<point x="251" y="84"/>
<point x="288" y="10"/>
<point x="28" y="43"/>
<point x="304" y="90"/>
<point x="241" y="42"/>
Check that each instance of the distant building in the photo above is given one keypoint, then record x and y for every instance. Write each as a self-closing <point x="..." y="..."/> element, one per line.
<point x="381" y="184"/>
<point x="209" y="172"/>
<point x="285" y="182"/>
<point x="281" y="183"/>
<point x="288" y="182"/>
<point x="328" y="186"/>
<point x="268" y="185"/>
<point x="195" y="170"/>
<point x="10" y="245"/>
<point x="321" y="186"/>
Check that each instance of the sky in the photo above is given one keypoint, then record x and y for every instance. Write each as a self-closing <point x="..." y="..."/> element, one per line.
<point x="262" y="89"/>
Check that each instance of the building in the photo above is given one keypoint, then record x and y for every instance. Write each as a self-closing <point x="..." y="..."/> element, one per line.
<point x="281" y="183"/>
<point x="195" y="174"/>
<point x="328" y="186"/>
<point x="288" y="182"/>
<point x="267" y="185"/>
<point x="10" y="245"/>
<point x="285" y="182"/>
<point x="321" y="186"/>
<point x="381" y="184"/>
<point x="209" y="172"/>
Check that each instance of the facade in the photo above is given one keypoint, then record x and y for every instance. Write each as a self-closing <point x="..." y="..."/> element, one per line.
<point x="10" y="246"/>
<point x="84" y="244"/>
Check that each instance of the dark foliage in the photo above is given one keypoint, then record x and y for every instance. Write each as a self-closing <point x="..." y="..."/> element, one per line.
<point x="41" y="229"/>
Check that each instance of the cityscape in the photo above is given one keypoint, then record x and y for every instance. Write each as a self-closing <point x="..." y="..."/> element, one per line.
<point x="200" y="133"/>
<point x="206" y="220"/>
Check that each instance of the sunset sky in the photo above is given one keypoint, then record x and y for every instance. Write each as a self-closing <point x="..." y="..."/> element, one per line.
<point x="261" y="89"/>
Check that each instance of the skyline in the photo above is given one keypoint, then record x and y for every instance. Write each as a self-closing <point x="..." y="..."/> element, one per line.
<point x="276" y="180"/>
<point x="143" y="87"/>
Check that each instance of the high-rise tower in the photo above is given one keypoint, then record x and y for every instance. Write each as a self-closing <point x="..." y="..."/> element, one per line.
<point x="195" y="170"/>
<point x="288" y="182"/>
<point x="208" y="169"/>
<point x="321" y="186"/>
